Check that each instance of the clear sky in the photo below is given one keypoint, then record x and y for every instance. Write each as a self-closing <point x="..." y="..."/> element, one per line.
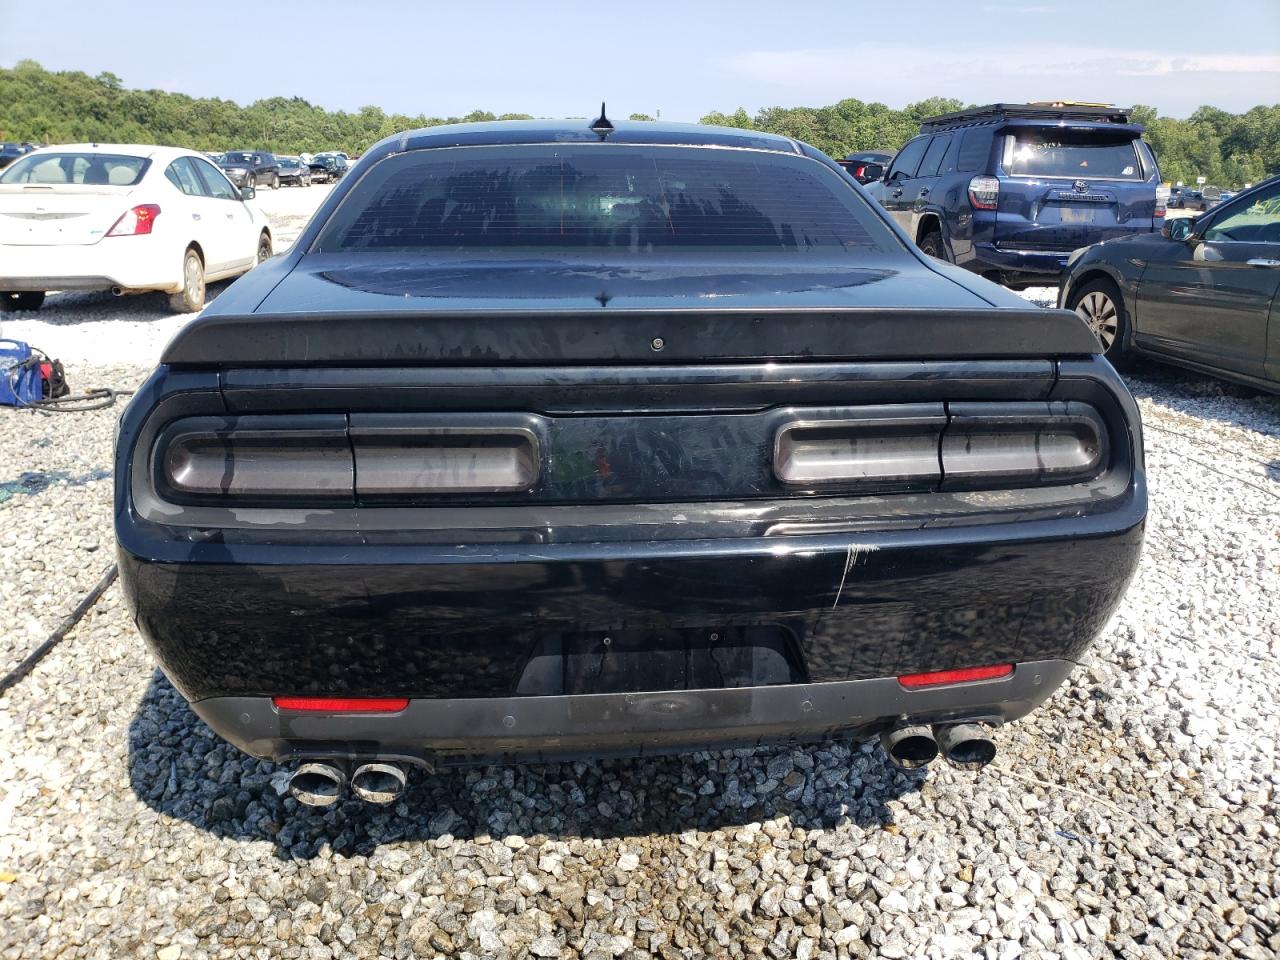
<point x="684" y="58"/>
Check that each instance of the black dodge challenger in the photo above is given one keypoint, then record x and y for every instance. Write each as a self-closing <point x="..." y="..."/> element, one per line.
<point x="552" y="440"/>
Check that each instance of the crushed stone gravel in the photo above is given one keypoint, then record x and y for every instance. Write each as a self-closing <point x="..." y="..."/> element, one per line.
<point x="1135" y="815"/>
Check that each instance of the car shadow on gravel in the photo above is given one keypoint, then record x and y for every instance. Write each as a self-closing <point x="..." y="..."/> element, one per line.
<point x="73" y="309"/>
<point x="180" y="768"/>
<point x="1204" y="396"/>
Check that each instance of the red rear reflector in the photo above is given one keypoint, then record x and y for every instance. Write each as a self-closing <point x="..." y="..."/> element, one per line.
<point x="341" y="704"/>
<point x="937" y="678"/>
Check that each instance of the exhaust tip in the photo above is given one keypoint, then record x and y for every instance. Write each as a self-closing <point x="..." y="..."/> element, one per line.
<point x="117" y="291"/>
<point x="317" y="784"/>
<point x="378" y="782"/>
<point x="910" y="748"/>
<point x="965" y="745"/>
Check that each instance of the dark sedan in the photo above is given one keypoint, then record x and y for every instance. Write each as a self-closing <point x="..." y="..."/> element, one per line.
<point x="10" y="152"/>
<point x="293" y="171"/>
<point x="866" y="167"/>
<point x="1201" y="293"/>
<point x="328" y="167"/>
<point x="546" y="440"/>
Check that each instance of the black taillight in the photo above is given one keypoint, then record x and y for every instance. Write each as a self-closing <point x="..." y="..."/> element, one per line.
<point x="951" y="446"/>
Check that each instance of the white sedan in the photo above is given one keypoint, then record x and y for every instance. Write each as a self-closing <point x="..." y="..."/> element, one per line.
<point x="123" y="218"/>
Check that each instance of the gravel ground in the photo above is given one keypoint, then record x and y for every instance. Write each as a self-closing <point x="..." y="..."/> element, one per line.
<point x="1134" y="815"/>
<point x="134" y="329"/>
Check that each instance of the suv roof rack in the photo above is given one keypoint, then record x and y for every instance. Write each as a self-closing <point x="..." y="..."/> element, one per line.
<point x="1042" y="110"/>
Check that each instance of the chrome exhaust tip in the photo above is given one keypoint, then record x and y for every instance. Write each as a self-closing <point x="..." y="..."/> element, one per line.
<point x="378" y="782"/>
<point x="910" y="748"/>
<point x="317" y="784"/>
<point x="965" y="745"/>
<point x="117" y="291"/>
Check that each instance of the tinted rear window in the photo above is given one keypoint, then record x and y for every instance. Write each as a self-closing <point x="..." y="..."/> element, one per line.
<point x="94" y="169"/>
<point x="1066" y="153"/>
<point x="623" y="198"/>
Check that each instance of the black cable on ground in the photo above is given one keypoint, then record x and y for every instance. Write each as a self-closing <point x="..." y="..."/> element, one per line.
<point x="66" y="626"/>
<point x="97" y="399"/>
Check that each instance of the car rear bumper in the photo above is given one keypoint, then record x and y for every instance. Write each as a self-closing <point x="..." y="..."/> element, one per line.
<point x="443" y="731"/>
<point x="125" y="262"/>
<point x="989" y="256"/>
<point x="464" y="621"/>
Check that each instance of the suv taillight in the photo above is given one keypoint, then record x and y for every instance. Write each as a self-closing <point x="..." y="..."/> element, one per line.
<point x="1162" y="200"/>
<point x="135" y="222"/>
<point x="984" y="193"/>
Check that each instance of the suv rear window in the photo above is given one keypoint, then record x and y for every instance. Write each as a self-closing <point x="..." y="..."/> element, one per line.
<point x="618" y="197"/>
<point x="94" y="169"/>
<point x="1070" y="153"/>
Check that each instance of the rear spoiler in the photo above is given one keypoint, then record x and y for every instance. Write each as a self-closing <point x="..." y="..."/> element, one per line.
<point x="485" y="338"/>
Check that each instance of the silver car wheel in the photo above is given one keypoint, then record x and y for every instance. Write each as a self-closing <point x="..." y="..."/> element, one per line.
<point x="193" y="278"/>
<point x="1099" y="312"/>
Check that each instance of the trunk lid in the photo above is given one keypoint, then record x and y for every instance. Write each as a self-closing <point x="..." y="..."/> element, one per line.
<point x="64" y="214"/>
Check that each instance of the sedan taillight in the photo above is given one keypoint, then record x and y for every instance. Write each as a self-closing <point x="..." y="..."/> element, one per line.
<point x="135" y="222"/>
<point x="984" y="193"/>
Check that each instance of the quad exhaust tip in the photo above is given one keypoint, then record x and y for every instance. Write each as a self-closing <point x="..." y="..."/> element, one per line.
<point x="377" y="782"/>
<point x="316" y="784"/>
<point x="911" y="747"/>
<point x="965" y="745"/>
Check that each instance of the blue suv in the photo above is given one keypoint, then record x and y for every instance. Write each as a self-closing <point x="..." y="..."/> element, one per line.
<point x="1009" y="190"/>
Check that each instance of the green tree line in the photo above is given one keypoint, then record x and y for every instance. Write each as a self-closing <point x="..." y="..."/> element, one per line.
<point x="44" y="106"/>
<point x="1227" y="149"/>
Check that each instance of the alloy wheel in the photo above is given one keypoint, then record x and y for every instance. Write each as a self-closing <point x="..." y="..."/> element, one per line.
<point x="193" y="279"/>
<point x="1099" y="312"/>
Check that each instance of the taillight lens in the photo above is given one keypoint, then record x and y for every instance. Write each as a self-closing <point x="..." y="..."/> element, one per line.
<point x="1162" y="201"/>
<point x="984" y="193"/>
<point x="959" y="446"/>
<point x="938" y="678"/>
<point x="341" y="704"/>
<point x="135" y="222"/>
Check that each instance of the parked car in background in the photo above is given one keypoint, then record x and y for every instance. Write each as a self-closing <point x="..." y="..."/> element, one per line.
<point x="866" y="167"/>
<point x="293" y="170"/>
<point x="550" y="440"/>
<point x="10" y="152"/>
<point x="124" y="218"/>
<point x="251" y="168"/>
<point x="1187" y="199"/>
<point x="328" y="167"/>
<point x="1009" y="190"/>
<point x="1202" y="293"/>
<point x="214" y="158"/>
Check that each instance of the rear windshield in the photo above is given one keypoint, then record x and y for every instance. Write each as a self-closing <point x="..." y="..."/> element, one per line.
<point x="618" y="197"/>
<point x="95" y="169"/>
<point x="1066" y="153"/>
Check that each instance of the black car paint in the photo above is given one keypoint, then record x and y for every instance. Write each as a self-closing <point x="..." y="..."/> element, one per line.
<point x="1219" y="316"/>
<point x="328" y="167"/>
<point x="453" y="603"/>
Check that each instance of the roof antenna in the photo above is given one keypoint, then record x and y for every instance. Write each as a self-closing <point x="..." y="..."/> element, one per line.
<point x="601" y="124"/>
